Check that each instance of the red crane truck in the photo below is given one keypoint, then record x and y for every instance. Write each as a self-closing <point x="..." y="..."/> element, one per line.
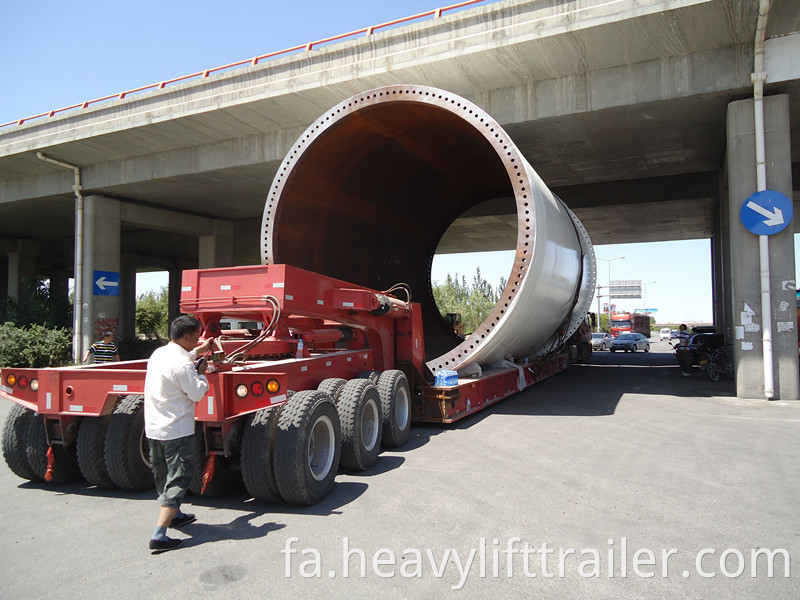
<point x="336" y="372"/>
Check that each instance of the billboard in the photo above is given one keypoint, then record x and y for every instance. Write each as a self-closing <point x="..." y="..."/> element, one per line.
<point x="625" y="289"/>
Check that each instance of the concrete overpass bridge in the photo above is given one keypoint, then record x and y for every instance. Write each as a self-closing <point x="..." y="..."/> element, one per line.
<point x="638" y="113"/>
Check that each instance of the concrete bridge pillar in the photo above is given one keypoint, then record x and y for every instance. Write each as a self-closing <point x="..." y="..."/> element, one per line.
<point x="3" y="277"/>
<point x="101" y="302"/>
<point x="743" y="324"/>
<point x="127" y="324"/>
<point x="21" y="267"/>
<point x="216" y="249"/>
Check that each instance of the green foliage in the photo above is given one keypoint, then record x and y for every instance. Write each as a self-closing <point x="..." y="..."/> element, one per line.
<point x="40" y="306"/>
<point x="473" y="302"/>
<point x="34" y="346"/>
<point x="152" y="314"/>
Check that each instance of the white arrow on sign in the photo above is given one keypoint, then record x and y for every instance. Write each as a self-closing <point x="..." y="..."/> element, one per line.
<point x="774" y="217"/>
<point x="102" y="283"/>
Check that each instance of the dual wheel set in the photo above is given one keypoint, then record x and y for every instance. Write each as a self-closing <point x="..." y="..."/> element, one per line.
<point x="289" y="452"/>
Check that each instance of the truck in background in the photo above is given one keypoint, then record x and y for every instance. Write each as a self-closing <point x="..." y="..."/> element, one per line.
<point x="630" y="323"/>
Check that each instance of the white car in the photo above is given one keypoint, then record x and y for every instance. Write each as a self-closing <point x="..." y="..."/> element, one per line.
<point x="665" y="334"/>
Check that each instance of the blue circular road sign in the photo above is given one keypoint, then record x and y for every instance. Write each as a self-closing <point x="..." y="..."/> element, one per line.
<point x="767" y="212"/>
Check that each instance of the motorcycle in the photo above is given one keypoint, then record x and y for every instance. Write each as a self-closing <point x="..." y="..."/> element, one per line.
<point x="719" y="362"/>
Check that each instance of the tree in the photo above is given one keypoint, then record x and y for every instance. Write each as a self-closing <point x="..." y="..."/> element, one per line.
<point x="40" y="306"/>
<point x="152" y="314"/>
<point x="473" y="303"/>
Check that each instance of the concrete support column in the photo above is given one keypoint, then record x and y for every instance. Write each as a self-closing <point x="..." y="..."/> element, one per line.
<point x="127" y="324"/>
<point x="101" y="252"/>
<point x="3" y="278"/>
<point x="174" y="292"/>
<point x="21" y="266"/>
<point x="744" y="326"/>
<point x="59" y="296"/>
<point x="216" y="250"/>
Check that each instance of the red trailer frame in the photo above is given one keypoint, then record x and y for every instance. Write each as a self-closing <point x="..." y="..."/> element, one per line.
<point x="348" y="333"/>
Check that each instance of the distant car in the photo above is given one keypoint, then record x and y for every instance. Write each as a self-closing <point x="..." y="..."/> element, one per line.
<point x="674" y="334"/>
<point x="601" y="341"/>
<point x="630" y="342"/>
<point x="665" y="334"/>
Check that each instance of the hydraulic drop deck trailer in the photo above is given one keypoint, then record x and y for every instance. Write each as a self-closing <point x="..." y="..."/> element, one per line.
<point x="336" y="372"/>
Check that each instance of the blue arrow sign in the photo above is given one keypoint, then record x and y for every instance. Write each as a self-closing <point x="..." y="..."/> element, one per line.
<point x="106" y="283"/>
<point x="766" y="212"/>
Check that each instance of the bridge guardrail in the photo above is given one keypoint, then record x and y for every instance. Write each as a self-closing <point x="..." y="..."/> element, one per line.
<point x="437" y="12"/>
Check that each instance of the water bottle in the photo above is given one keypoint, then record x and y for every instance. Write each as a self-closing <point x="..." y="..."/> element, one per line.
<point x="299" y="353"/>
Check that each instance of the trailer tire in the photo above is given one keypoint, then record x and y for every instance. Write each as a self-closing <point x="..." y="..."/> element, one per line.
<point x="65" y="462"/>
<point x="15" y="433"/>
<point x="361" y="420"/>
<point x="127" y="451"/>
<point x="223" y="482"/>
<point x="258" y="451"/>
<point x="91" y="451"/>
<point x="373" y="376"/>
<point x="396" y="407"/>
<point x="307" y="447"/>
<point x="332" y="387"/>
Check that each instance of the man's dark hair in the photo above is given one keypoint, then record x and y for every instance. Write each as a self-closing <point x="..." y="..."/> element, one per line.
<point x="183" y="325"/>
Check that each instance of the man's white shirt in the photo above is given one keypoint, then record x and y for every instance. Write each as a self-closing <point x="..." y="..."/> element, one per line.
<point x="171" y="388"/>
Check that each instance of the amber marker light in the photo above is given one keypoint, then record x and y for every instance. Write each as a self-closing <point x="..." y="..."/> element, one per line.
<point x="273" y="387"/>
<point x="11" y="379"/>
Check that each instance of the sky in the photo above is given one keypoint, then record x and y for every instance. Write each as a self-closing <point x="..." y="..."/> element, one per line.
<point x="56" y="53"/>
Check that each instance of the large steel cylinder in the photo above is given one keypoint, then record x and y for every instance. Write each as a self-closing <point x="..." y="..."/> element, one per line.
<point x="369" y="189"/>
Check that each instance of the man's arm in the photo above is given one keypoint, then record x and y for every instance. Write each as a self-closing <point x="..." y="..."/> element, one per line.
<point x="193" y="384"/>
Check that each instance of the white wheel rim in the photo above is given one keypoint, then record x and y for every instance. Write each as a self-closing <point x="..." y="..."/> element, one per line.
<point x="370" y="421"/>
<point x="321" y="448"/>
<point x="402" y="409"/>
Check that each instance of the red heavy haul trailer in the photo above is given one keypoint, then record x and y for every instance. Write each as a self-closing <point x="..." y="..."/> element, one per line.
<point x="284" y="415"/>
<point x="338" y="369"/>
<point x="630" y="323"/>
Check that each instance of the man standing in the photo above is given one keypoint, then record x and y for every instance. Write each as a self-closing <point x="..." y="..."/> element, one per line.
<point x="172" y="387"/>
<point x="104" y="351"/>
<point x="682" y="351"/>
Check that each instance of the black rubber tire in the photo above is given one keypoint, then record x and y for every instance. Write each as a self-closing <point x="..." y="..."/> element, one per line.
<point x="332" y="387"/>
<point x="127" y="451"/>
<point x="647" y="348"/>
<point x="225" y="479"/>
<point x="91" y="451"/>
<point x="65" y="461"/>
<point x="307" y="448"/>
<point x="15" y="433"/>
<point x="612" y="350"/>
<point x="371" y="375"/>
<point x="712" y="372"/>
<point x="258" y="451"/>
<point x="603" y="347"/>
<point x="361" y="420"/>
<point x="395" y="396"/>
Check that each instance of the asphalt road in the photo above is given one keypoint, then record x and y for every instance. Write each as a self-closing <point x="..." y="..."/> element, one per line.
<point x="617" y="479"/>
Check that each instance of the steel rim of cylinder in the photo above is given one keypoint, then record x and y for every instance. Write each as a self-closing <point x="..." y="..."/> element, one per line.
<point x="321" y="448"/>
<point x="395" y="123"/>
<point x="370" y="421"/>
